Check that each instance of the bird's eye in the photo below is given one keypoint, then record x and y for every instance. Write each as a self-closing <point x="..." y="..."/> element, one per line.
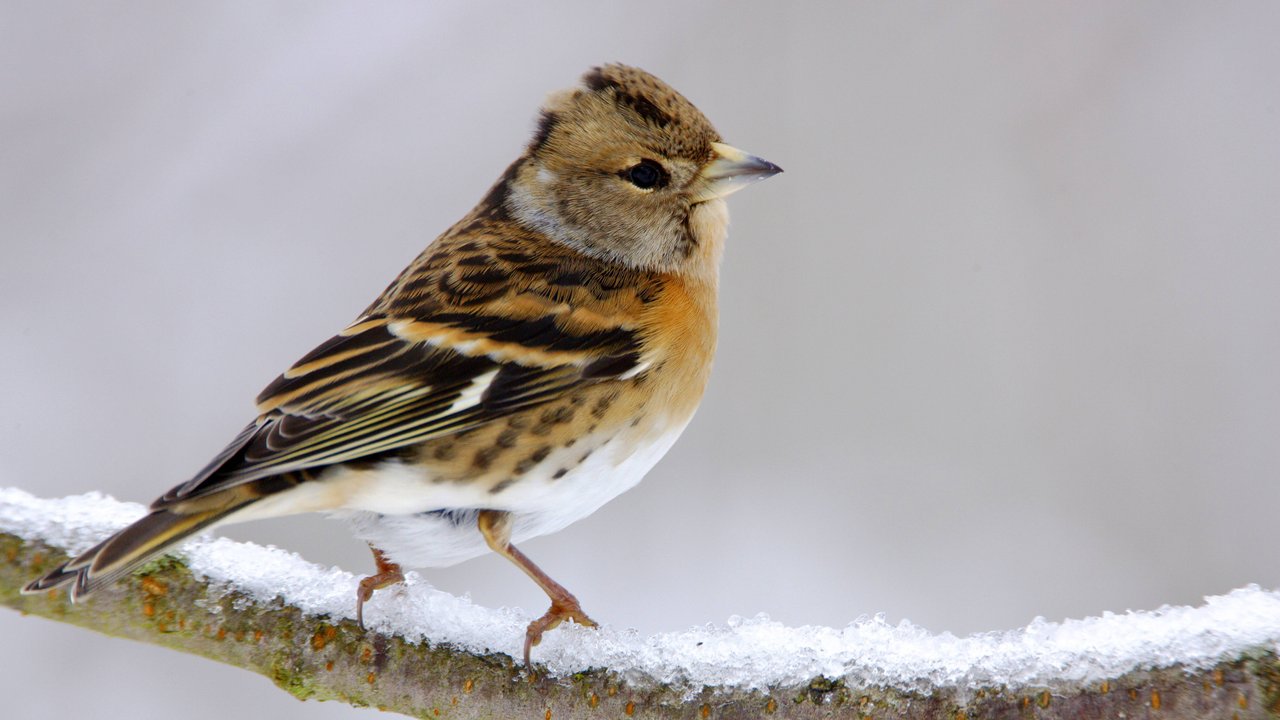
<point x="646" y="175"/>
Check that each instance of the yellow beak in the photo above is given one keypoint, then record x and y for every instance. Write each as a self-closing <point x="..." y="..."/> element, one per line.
<point x="731" y="171"/>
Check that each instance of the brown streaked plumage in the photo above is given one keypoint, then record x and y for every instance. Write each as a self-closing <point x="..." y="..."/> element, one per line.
<point x="532" y="363"/>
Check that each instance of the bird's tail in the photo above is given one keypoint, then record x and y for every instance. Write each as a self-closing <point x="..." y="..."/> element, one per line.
<point x="119" y="554"/>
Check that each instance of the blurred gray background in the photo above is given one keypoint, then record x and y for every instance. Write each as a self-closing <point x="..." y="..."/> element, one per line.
<point x="1002" y="341"/>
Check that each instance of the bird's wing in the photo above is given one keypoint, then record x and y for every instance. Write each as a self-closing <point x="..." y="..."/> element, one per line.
<point x="386" y="382"/>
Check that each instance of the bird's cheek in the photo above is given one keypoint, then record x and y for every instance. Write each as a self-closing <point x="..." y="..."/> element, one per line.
<point x="708" y="225"/>
<point x="709" y="221"/>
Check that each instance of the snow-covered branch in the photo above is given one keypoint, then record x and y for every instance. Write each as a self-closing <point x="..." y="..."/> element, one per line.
<point x="429" y="654"/>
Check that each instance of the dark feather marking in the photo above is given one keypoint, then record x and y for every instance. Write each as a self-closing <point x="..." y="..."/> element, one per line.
<point x="616" y="338"/>
<point x="546" y="124"/>
<point x="463" y="296"/>
<point x="614" y="281"/>
<point x="536" y="268"/>
<point x="420" y="284"/>
<point x="540" y="333"/>
<point x="517" y="385"/>
<point x="484" y="457"/>
<point x="487" y="277"/>
<point x="597" y="81"/>
<point x="556" y="415"/>
<point x="569" y="278"/>
<point x="479" y="223"/>
<point x="552" y="417"/>
<point x="688" y="239"/>
<point x="445" y="450"/>
<point x="645" y="108"/>
<point x="602" y="405"/>
<point x="494" y="204"/>
<point x="649" y="294"/>
<point x="532" y="461"/>
<point x="611" y="366"/>
<point x="537" y="333"/>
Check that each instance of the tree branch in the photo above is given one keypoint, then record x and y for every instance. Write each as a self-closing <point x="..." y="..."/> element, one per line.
<point x="327" y="658"/>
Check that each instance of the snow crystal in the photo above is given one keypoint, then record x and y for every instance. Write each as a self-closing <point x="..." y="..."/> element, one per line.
<point x="751" y="653"/>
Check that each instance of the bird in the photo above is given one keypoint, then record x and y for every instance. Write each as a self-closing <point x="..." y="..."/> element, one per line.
<point x="531" y="364"/>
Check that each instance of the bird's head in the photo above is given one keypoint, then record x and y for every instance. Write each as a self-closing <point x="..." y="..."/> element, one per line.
<point x="625" y="169"/>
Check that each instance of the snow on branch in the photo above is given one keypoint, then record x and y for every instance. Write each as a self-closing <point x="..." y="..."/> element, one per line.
<point x="430" y="654"/>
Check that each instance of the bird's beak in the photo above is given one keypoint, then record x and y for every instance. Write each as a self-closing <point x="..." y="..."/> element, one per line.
<point x="731" y="171"/>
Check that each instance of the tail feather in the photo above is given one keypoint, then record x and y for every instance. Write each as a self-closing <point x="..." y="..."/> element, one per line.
<point x="119" y="554"/>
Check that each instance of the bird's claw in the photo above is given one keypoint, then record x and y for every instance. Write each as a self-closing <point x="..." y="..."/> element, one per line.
<point x="560" y="610"/>
<point x="389" y="576"/>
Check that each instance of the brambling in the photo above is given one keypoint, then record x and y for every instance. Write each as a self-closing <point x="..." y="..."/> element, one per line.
<point x="531" y="364"/>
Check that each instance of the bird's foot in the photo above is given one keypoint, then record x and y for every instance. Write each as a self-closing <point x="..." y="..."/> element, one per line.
<point x="388" y="574"/>
<point x="564" y="608"/>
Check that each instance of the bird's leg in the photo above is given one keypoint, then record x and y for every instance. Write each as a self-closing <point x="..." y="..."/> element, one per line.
<point x="388" y="574"/>
<point x="495" y="525"/>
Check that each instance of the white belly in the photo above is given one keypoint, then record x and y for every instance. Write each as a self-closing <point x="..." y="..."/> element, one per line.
<point x="418" y="524"/>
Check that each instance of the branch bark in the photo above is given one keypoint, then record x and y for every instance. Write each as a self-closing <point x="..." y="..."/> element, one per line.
<point x="312" y="658"/>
